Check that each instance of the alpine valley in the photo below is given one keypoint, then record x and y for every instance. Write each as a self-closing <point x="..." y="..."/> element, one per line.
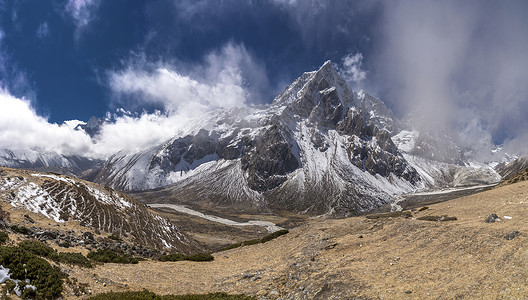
<point x="320" y="195"/>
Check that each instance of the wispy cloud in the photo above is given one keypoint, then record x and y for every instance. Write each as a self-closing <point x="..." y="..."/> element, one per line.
<point x="226" y="78"/>
<point x="43" y="30"/>
<point x="462" y="65"/>
<point x="82" y="12"/>
<point x="21" y="128"/>
<point x="351" y="69"/>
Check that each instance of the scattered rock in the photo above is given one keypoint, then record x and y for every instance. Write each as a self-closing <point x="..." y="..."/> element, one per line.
<point x="88" y="236"/>
<point x="29" y="219"/>
<point x="408" y="292"/>
<point x="511" y="235"/>
<point x="332" y="246"/>
<point x="492" y="218"/>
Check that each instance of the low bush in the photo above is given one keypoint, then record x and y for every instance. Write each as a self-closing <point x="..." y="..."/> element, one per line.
<point x="111" y="256"/>
<point x="115" y="238"/>
<point x="192" y="257"/>
<point x="273" y="235"/>
<point x="251" y="242"/>
<point x="267" y="238"/>
<point x="39" y="249"/>
<point x="65" y="244"/>
<point x="20" y="229"/>
<point x="4" y="237"/>
<point x="24" y="265"/>
<point x="73" y="258"/>
<point x="200" y="257"/>
<point x="234" y="246"/>
<point x="146" y="295"/>
<point x="43" y="250"/>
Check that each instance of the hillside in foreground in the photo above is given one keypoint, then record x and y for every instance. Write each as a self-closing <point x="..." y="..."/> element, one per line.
<point x="368" y="257"/>
<point x="50" y="204"/>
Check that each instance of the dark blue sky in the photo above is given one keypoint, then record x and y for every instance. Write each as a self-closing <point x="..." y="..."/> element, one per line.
<point x="462" y="65"/>
<point x="65" y="69"/>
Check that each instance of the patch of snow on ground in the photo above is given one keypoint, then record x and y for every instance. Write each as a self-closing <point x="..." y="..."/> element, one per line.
<point x="58" y="178"/>
<point x="104" y="197"/>
<point x="37" y="200"/>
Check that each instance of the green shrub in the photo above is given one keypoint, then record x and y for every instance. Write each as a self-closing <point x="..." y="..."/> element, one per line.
<point x="146" y="295"/>
<point x="115" y="238"/>
<point x="234" y="246"/>
<point x="200" y="257"/>
<point x="111" y="256"/>
<point x="76" y="259"/>
<point x="43" y="250"/>
<point x="273" y="235"/>
<point x="20" y="229"/>
<point x="252" y="242"/>
<point x="65" y="245"/>
<point x="267" y="238"/>
<point x="39" y="249"/>
<point x="192" y="257"/>
<point x="4" y="237"/>
<point x="24" y="265"/>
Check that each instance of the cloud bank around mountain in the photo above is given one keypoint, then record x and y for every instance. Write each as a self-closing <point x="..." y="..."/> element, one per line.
<point x="462" y="66"/>
<point x="229" y="77"/>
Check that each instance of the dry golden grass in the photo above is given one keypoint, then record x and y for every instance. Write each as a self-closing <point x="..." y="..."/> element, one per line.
<point x="388" y="258"/>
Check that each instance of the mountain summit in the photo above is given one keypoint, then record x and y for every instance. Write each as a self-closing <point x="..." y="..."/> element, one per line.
<point x="318" y="148"/>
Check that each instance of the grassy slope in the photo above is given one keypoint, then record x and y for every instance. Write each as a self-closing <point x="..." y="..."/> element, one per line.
<point x="359" y="257"/>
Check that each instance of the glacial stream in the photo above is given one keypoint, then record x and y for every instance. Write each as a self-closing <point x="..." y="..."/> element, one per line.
<point x="271" y="227"/>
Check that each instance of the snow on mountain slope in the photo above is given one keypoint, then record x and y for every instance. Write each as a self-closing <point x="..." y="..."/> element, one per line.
<point x="46" y="161"/>
<point x="62" y="198"/>
<point x="435" y="164"/>
<point x="318" y="148"/>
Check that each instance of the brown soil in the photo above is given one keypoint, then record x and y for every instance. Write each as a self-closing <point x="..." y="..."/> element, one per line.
<point x="384" y="258"/>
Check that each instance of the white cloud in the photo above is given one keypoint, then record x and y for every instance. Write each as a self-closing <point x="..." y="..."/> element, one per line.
<point x="21" y="128"/>
<point x="351" y="68"/>
<point x="228" y="78"/>
<point x="178" y="92"/>
<point x="82" y="12"/>
<point x="456" y="62"/>
<point x="43" y="30"/>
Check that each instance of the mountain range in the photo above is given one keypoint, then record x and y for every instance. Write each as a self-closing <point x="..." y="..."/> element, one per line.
<point x="318" y="148"/>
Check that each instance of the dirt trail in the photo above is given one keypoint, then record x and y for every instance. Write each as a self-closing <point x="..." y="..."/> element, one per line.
<point x="388" y="258"/>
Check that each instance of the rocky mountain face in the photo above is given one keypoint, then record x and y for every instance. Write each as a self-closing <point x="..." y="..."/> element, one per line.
<point x="62" y="199"/>
<point x="318" y="148"/>
<point x="47" y="161"/>
<point x="513" y="169"/>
